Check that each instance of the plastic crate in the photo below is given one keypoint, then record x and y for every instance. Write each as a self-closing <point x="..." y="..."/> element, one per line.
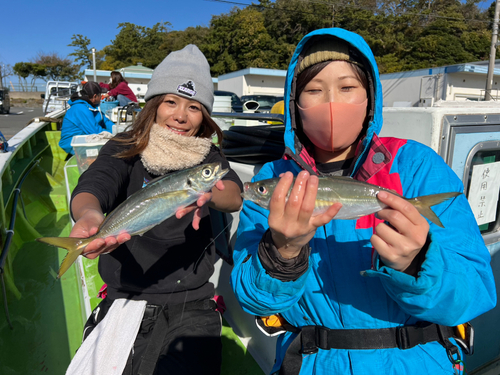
<point x="106" y="107"/>
<point x="85" y="152"/>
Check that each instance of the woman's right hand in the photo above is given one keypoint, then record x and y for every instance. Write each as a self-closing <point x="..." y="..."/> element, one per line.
<point x="87" y="226"/>
<point x="292" y="222"/>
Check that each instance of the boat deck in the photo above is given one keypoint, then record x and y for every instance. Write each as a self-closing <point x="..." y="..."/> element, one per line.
<point x="47" y="315"/>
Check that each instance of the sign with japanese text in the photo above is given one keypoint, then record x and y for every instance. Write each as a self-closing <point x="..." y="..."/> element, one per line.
<point x="483" y="192"/>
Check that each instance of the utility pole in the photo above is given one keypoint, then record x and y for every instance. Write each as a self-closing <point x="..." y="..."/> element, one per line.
<point x="1" y="78"/>
<point x="493" y="51"/>
<point x="93" y="63"/>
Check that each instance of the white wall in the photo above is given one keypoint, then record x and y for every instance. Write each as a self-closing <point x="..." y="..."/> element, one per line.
<point x="405" y="86"/>
<point x="458" y="86"/>
<point x="253" y="84"/>
<point x="462" y="86"/>
<point x="264" y="85"/>
<point x="235" y="85"/>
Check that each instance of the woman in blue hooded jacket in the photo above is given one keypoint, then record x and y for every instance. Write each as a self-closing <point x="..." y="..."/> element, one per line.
<point x="375" y="295"/>
<point x="84" y="116"/>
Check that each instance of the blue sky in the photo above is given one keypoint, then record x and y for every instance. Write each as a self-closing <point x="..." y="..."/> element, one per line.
<point x="31" y="26"/>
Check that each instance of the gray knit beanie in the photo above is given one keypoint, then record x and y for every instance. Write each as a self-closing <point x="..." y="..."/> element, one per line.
<point x="185" y="73"/>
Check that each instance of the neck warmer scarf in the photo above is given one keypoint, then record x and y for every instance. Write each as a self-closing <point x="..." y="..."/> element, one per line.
<point x="168" y="151"/>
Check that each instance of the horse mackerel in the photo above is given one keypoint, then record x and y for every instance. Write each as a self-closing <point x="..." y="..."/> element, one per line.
<point x="146" y="208"/>
<point x="358" y="198"/>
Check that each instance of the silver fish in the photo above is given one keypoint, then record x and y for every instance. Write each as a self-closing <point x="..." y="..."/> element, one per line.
<point x="358" y="198"/>
<point x="146" y="208"/>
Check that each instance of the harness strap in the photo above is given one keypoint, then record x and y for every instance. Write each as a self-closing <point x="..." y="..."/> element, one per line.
<point x="312" y="338"/>
<point x="160" y="329"/>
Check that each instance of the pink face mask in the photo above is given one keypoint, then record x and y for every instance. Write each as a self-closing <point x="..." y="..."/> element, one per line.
<point x="333" y="126"/>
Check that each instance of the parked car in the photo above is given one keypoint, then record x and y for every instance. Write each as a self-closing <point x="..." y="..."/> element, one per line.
<point x="266" y="102"/>
<point x="4" y="101"/>
<point x="236" y="104"/>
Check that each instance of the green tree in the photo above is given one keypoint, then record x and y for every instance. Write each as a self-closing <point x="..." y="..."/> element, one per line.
<point x="24" y="70"/>
<point x="135" y="44"/>
<point x="83" y="52"/>
<point x="56" y="67"/>
<point x="288" y="21"/>
<point x="409" y="35"/>
<point x="239" y="40"/>
<point x="176" y="40"/>
<point x="403" y="34"/>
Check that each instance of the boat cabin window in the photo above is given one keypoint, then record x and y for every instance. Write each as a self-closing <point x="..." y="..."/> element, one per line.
<point x="63" y="91"/>
<point x="483" y="185"/>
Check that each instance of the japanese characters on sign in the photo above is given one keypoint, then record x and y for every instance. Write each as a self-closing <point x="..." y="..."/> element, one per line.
<point x="484" y="190"/>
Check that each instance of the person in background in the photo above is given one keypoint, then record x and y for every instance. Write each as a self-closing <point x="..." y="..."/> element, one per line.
<point x="118" y="88"/>
<point x="170" y="265"/>
<point x="84" y="116"/>
<point x="380" y="294"/>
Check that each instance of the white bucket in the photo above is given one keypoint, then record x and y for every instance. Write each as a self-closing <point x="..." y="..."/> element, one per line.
<point x="222" y="104"/>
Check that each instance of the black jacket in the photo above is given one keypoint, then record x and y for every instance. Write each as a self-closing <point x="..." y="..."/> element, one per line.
<point x="170" y="263"/>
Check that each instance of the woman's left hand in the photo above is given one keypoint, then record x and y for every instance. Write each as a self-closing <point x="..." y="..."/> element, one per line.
<point x="398" y="245"/>
<point x="198" y="207"/>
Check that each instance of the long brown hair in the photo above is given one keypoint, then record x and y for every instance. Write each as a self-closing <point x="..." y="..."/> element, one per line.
<point x="138" y="136"/>
<point x="116" y="79"/>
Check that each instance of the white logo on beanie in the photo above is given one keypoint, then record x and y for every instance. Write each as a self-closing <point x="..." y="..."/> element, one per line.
<point x="187" y="88"/>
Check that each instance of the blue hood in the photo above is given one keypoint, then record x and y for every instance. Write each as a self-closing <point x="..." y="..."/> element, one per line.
<point x="292" y="143"/>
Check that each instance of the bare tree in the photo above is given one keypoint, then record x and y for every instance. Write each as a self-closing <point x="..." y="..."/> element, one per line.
<point x="5" y="72"/>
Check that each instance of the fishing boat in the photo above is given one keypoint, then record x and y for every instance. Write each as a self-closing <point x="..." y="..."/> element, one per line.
<point x="42" y="317"/>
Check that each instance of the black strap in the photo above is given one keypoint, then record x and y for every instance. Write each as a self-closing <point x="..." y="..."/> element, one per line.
<point x="163" y="315"/>
<point x="312" y="338"/>
<point x="148" y="363"/>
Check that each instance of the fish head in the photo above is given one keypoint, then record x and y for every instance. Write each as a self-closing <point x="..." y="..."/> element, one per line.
<point x="204" y="177"/>
<point x="259" y="192"/>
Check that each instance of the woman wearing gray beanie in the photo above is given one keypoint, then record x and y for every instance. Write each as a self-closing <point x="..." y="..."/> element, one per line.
<point x="170" y="265"/>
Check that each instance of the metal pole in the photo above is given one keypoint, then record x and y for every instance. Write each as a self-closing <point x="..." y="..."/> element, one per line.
<point x="93" y="62"/>
<point x="493" y="51"/>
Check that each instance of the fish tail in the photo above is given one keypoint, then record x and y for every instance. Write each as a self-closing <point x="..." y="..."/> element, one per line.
<point x="424" y="203"/>
<point x="75" y="247"/>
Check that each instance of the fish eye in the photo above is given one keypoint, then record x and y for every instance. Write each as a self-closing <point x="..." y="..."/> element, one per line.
<point x="262" y="189"/>
<point x="206" y="172"/>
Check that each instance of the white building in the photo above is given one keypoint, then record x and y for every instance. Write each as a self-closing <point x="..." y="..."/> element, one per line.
<point x="417" y="88"/>
<point x="137" y="77"/>
<point x="254" y="81"/>
<point x="421" y="88"/>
